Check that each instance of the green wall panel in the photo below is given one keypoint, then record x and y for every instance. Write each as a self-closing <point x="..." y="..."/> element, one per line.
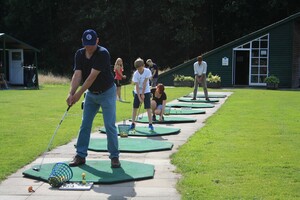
<point x="280" y="55"/>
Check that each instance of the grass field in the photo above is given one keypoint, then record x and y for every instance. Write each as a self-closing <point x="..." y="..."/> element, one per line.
<point x="29" y="118"/>
<point x="250" y="149"/>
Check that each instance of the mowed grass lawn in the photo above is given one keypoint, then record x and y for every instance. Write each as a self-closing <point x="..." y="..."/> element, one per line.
<point x="250" y="149"/>
<point x="29" y="118"/>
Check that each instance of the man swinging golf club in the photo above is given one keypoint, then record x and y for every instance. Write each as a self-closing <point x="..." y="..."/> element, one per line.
<point x="92" y="69"/>
<point x="200" y="68"/>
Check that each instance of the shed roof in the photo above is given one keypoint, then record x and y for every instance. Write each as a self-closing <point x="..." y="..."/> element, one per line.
<point x="255" y="33"/>
<point x="11" y="42"/>
<point x="237" y="41"/>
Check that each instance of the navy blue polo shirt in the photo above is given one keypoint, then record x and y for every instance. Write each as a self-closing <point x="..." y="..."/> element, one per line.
<point x="100" y="61"/>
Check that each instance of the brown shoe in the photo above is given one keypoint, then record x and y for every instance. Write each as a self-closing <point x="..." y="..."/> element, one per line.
<point x="77" y="160"/>
<point x="115" y="163"/>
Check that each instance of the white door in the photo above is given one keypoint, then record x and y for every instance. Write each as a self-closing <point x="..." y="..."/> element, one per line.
<point x="16" y="71"/>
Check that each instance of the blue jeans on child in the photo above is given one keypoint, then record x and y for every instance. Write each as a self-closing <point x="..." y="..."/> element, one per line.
<point x="92" y="104"/>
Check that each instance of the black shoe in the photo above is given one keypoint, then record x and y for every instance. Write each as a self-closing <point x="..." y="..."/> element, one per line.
<point x="153" y="118"/>
<point x="77" y="160"/>
<point x="207" y="99"/>
<point x="193" y="99"/>
<point x="115" y="163"/>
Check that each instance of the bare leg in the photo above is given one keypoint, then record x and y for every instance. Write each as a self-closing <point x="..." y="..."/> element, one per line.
<point x="118" y="92"/>
<point x="149" y="115"/>
<point x="134" y="115"/>
<point x="153" y="106"/>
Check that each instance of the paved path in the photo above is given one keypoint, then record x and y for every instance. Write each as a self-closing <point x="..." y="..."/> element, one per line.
<point x="161" y="187"/>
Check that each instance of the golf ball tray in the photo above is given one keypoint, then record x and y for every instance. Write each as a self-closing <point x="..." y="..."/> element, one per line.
<point x="76" y="186"/>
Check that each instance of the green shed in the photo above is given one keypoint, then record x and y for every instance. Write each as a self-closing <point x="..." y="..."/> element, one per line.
<point x="18" y="62"/>
<point x="247" y="61"/>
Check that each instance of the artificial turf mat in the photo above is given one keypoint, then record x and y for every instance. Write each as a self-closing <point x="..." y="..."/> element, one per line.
<point x="209" y="95"/>
<point x="188" y="99"/>
<point x="183" y="111"/>
<point x="145" y="131"/>
<point x="99" y="171"/>
<point x="190" y="105"/>
<point x="167" y="120"/>
<point x="133" y="145"/>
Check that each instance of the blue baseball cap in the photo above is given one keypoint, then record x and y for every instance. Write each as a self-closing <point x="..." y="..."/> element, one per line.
<point x="89" y="38"/>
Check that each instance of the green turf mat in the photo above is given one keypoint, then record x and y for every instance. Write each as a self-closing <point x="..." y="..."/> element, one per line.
<point x="209" y="95"/>
<point x="99" y="171"/>
<point x="167" y="120"/>
<point x="182" y="111"/>
<point x="201" y="100"/>
<point x="134" y="145"/>
<point x="144" y="131"/>
<point x="190" y="105"/>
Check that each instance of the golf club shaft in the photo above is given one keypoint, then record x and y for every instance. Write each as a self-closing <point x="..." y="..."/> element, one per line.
<point x="50" y="143"/>
<point x="138" y="113"/>
<point x="141" y="117"/>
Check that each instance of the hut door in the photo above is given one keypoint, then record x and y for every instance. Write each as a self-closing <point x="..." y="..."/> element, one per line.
<point x="242" y="67"/>
<point x="16" y="71"/>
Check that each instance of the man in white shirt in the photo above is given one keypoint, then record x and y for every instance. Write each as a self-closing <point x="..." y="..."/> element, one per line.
<point x="200" y="68"/>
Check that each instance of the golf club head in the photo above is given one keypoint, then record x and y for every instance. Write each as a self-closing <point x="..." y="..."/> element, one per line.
<point x="36" y="169"/>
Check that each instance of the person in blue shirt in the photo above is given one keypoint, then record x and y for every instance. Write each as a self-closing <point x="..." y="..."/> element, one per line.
<point x="92" y="69"/>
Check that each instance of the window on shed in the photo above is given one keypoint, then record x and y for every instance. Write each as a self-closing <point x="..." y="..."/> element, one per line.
<point x="259" y="60"/>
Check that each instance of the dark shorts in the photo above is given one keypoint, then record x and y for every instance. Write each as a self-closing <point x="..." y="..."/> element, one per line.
<point x="136" y="101"/>
<point x="118" y="83"/>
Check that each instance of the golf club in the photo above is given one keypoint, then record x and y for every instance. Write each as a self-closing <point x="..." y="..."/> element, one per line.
<point x="138" y="113"/>
<point x="141" y="117"/>
<point x="50" y="143"/>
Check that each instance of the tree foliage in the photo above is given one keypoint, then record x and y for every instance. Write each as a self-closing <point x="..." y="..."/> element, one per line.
<point x="167" y="31"/>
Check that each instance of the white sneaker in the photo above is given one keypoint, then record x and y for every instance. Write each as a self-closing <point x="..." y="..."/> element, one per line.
<point x="120" y="99"/>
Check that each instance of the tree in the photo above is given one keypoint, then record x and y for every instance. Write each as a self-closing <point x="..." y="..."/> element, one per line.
<point x="168" y="31"/>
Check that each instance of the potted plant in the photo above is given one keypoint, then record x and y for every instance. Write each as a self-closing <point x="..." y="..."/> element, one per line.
<point x="213" y="81"/>
<point x="272" y="82"/>
<point x="183" y="81"/>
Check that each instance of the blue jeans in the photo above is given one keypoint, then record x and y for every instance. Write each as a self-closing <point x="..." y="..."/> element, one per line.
<point x="92" y="104"/>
